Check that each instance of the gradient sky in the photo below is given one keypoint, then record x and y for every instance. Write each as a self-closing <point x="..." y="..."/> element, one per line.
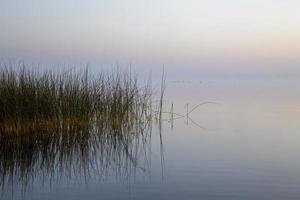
<point x="244" y="33"/>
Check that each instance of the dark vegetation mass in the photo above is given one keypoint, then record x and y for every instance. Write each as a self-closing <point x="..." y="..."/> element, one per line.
<point x="31" y="99"/>
<point x="70" y="121"/>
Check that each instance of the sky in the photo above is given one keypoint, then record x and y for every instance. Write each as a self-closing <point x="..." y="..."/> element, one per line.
<point x="235" y="35"/>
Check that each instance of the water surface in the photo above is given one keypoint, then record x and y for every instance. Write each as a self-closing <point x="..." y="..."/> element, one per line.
<point x="244" y="144"/>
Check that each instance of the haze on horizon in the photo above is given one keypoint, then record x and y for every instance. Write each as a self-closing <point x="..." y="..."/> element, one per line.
<point x="240" y="34"/>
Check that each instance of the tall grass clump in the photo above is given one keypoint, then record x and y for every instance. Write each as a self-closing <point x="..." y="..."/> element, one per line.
<point x="33" y="99"/>
<point x="54" y="122"/>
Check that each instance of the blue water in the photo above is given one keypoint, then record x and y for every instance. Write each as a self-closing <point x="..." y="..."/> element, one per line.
<point x="244" y="144"/>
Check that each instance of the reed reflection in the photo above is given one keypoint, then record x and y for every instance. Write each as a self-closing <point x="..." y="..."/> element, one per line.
<point x="72" y="149"/>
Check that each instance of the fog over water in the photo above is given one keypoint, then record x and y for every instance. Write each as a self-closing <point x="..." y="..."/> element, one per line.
<point x="252" y="36"/>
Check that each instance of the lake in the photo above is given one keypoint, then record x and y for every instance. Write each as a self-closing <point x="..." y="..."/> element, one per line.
<point x="241" y="143"/>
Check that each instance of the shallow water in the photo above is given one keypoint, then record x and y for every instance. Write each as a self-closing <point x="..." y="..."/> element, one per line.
<point x="244" y="145"/>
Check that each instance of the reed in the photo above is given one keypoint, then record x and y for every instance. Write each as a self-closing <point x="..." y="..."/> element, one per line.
<point x="30" y="98"/>
<point x="70" y="122"/>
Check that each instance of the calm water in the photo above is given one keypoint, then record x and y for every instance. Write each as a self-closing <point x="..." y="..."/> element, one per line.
<point x="245" y="145"/>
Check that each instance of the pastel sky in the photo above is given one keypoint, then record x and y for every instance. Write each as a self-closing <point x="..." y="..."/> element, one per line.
<point x="240" y="32"/>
